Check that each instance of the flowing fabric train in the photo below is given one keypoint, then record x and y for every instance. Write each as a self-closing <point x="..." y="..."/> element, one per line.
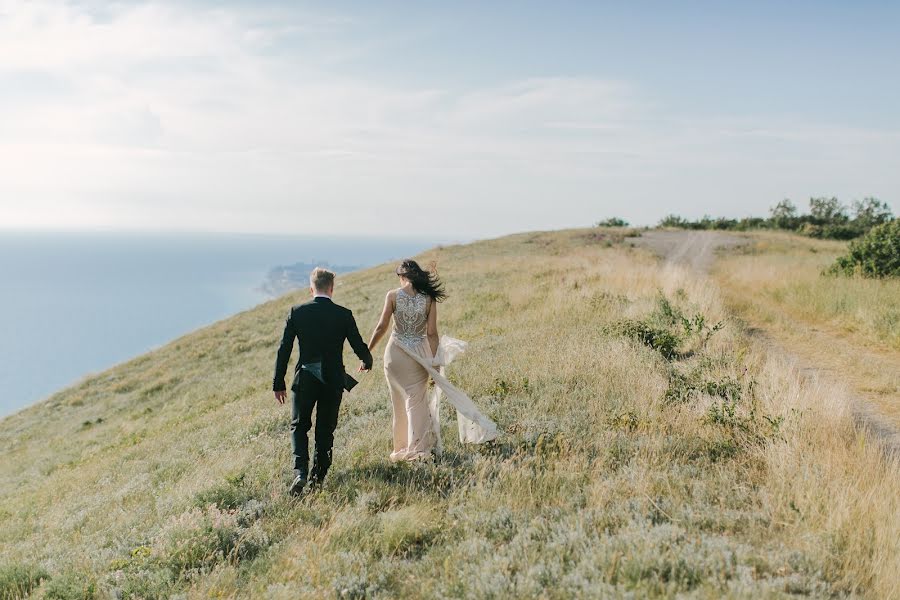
<point x="474" y="427"/>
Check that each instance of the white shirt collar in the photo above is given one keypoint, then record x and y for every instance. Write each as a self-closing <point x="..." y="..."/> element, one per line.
<point x="322" y="296"/>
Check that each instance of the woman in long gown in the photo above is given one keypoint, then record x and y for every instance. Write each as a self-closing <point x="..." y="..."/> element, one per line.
<point x="414" y="354"/>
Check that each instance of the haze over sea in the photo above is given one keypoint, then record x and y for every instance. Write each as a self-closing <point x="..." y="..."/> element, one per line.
<point x="76" y="303"/>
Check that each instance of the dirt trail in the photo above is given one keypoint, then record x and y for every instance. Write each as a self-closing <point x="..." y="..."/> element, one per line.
<point x="693" y="248"/>
<point x="697" y="249"/>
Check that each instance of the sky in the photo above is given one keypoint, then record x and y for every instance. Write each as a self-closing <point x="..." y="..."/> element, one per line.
<point x="457" y="120"/>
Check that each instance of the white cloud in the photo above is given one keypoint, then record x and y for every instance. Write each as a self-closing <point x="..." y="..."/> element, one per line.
<point x="164" y="116"/>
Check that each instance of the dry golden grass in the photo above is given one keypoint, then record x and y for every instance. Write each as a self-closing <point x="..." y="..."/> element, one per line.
<point x="786" y="270"/>
<point x="604" y="483"/>
<point x="847" y="327"/>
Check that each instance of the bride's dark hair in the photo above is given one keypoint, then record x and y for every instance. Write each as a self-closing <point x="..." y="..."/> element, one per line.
<point x="423" y="281"/>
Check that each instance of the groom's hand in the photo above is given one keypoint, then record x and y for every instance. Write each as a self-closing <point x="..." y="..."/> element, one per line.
<point x="362" y="368"/>
<point x="279" y="396"/>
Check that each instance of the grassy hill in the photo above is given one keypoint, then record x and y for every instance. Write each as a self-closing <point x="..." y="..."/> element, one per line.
<point x="650" y="449"/>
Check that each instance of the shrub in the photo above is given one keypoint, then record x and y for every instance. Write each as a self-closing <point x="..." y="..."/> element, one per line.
<point x="674" y="221"/>
<point x="199" y="539"/>
<point x="353" y="587"/>
<point x="683" y="387"/>
<point x="612" y="222"/>
<point x="229" y="494"/>
<point x="17" y="581"/>
<point x="665" y="328"/>
<point x="142" y="584"/>
<point x="841" y="232"/>
<point x="354" y="580"/>
<point x="827" y="219"/>
<point x="71" y="586"/>
<point x="672" y="317"/>
<point x="810" y="230"/>
<point x="876" y="254"/>
<point x="662" y="340"/>
<point x="832" y="231"/>
<point x="501" y="388"/>
<point x="665" y="312"/>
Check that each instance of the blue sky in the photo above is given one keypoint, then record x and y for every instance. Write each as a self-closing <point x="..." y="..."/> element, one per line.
<point x="456" y="120"/>
<point x="809" y="58"/>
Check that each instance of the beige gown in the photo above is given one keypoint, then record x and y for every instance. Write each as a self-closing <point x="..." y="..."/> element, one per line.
<point x="408" y="366"/>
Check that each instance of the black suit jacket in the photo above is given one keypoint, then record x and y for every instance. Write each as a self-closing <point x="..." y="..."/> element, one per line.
<point x="320" y="327"/>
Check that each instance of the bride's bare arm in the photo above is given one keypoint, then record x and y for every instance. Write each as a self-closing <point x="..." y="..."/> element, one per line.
<point x="383" y="322"/>
<point x="432" y="331"/>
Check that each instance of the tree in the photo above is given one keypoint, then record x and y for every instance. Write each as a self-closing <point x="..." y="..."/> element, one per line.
<point x="673" y="221"/>
<point x="869" y="212"/>
<point x="784" y="215"/>
<point x="827" y="210"/>
<point x="612" y="222"/>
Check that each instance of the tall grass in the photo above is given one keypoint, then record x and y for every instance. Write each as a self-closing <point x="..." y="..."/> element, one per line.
<point x="846" y="327"/>
<point x="744" y="482"/>
<point x="787" y="271"/>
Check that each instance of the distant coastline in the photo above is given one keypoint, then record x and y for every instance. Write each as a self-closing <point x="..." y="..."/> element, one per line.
<point x="282" y="279"/>
<point x="79" y="303"/>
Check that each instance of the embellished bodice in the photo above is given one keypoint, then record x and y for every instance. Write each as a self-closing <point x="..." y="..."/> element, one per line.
<point x="410" y="318"/>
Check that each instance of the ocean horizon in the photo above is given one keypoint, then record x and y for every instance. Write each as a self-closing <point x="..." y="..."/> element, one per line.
<point x="75" y="304"/>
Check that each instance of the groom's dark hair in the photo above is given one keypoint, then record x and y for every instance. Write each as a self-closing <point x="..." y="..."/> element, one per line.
<point x="321" y="279"/>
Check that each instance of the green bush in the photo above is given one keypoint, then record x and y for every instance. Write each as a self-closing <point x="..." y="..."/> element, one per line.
<point x="71" y="586"/>
<point x="229" y="494"/>
<point x="673" y="318"/>
<point x="835" y="231"/>
<point x="17" y="581"/>
<point x="665" y="329"/>
<point x="683" y="387"/>
<point x="828" y="218"/>
<point x="612" y="222"/>
<point x="674" y="221"/>
<point x="876" y="254"/>
<point x="657" y="338"/>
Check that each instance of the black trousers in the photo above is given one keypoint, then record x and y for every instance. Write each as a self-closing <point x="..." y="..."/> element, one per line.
<point x="313" y="393"/>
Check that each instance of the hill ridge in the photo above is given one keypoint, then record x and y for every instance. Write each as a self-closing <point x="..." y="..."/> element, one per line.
<point x="622" y="470"/>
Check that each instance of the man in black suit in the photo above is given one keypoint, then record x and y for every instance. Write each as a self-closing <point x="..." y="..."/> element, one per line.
<point x="320" y="327"/>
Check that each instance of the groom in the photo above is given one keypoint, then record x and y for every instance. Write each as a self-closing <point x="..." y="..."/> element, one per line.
<point x="320" y="327"/>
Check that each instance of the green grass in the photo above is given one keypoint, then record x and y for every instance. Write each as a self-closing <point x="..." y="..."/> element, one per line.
<point x="601" y="485"/>
<point x="18" y="580"/>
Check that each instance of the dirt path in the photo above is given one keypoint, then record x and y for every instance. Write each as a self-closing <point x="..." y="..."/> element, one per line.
<point x="697" y="249"/>
<point x="694" y="248"/>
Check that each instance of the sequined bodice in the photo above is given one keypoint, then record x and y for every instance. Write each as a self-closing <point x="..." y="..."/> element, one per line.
<point x="410" y="318"/>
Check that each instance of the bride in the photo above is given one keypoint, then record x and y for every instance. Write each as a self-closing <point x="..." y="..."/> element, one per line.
<point x="414" y="354"/>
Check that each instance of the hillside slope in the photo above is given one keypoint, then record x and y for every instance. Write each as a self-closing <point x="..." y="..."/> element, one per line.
<point x="701" y="465"/>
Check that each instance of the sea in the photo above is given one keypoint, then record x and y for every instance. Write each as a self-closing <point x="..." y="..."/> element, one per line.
<point x="73" y="304"/>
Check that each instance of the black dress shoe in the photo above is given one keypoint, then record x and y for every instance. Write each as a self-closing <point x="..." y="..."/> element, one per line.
<point x="297" y="487"/>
